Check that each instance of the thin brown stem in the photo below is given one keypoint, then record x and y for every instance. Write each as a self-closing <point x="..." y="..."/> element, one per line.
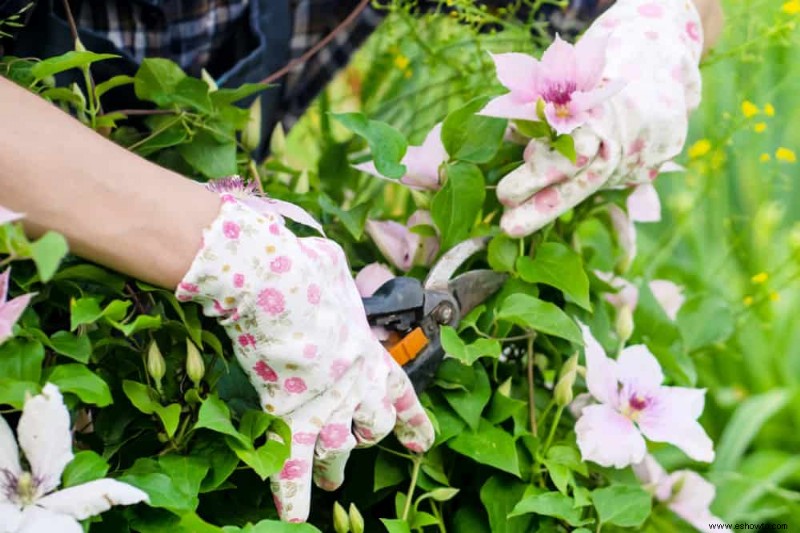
<point x="531" y="389"/>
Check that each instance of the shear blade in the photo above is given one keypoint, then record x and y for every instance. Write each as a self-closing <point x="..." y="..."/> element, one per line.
<point x="442" y="272"/>
<point x="473" y="288"/>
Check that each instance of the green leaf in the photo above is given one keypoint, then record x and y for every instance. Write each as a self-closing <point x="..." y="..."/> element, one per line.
<point x="214" y="415"/>
<point x="565" y="145"/>
<point x="396" y="525"/>
<point x="502" y="253"/>
<point x="560" y="267"/>
<point x="82" y="382"/>
<point x="47" y="253"/>
<point x="550" y="504"/>
<point x="64" y="62"/>
<point x="353" y="220"/>
<point x="272" y="526"/>
<point x="468" y="353"/>
<point x="389" y="471"/>
<point x="117" y="81"/>
<point x="470" y="137"/>
<point x="457" y="204"/>
<point x="157" y="80"/>
<point x="265" y="460"/>
<point x="87" y="311"/>
<point x="93" y="274"/>
<point x="544" y="317"/>
<point x="77" y="347"/>
<point x="744" y="425"/>
<point x="170" y="416"/>
<point x="210" y="157"/>
<point x="85" y="466"/>
<point x="470" y="402"/>
<point x="162" y="490"/>
<point x="13" y="392"/>
<point x="705" y="320"/>
<point x="622" y="505"/>
<point x="140" y="396"/>
<point x="21" y="360"/>
<point x="488" y="445"/>
<point x="140" y="323"/>
<point x="388" y="146"/>
<point x="187" y="473"/>
<point x="533" y="129"/>
<point x="193" y="92"/>
<point x="224" y="96"/>
<point x="499" y="496"/>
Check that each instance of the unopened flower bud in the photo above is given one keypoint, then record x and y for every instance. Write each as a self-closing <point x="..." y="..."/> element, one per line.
<point x="341" y="522"/>
<point x="563" y="390"/>
<point x="356" y="520"/>
<point x="624" y="323"/>
<point x="156" y="366"/>
<point x="195" y="368"/>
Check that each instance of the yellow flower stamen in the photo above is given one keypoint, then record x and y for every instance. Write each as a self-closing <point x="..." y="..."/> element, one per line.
<point x="749" y="109"/>
<point x="760" y="278"/>
<point x="786" y="155"/>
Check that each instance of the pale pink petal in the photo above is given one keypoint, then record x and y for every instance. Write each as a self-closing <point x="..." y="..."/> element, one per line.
<point x="639" y="369"/>
<point x="581" y="401"/>
<point x="4" y="277"/>
<point x="590" y="56"/>
<point x="6" y="215"/>
<point x="607" y="438"/>
<point x="654" y="477"/>
<point x="39" y="520"/>
<point x="627" y="294"/>
<point x="10" y="516"/>
<point x="643" y="204"/>
<point x="626" y="232"/>
<point x="9" y="453"/>
<point x="693" y="500"/>
<point x="590" y="99"/>
<point x="10" y="313"/>
<point x="370" y="278"/>
<point x="293" y="212"/>
<point x="668" y="295"/>
<point x="423" y="162"/>
<point x="518" y="72"/>
<point x="369" y="168"/>
<point x="44" y="436"/>
<point x="671" y="418"/>
<point x="427" y="247"/>
<point x="559" y="64"/>
<point x="601" y="371"/>
<point x="92" y="498"/>
<point x="392" y="239"/>
<point x="508" y="106"/>
<point x="671" y="166"/>
<point x="565" y="123"/>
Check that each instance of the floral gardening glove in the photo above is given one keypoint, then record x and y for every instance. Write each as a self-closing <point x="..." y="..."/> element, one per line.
<point x="300" y="332"/>
<point x="623" y="92"/>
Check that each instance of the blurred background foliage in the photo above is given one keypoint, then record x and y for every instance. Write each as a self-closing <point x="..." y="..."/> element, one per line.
<point x="731" y="222"/>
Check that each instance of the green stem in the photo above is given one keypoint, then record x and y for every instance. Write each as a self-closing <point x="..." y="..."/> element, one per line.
<point x="438" y="515"/>
<point x="412" y="486"/>
<point x="531" y="390"/>
<point x="553" y="426"/>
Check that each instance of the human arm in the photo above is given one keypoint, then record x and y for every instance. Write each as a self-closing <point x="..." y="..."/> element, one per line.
<point x="114" y="207"/>
<point x="712" y="19"/>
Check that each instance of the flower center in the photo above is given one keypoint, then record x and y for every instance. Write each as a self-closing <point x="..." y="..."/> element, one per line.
<point x="636" y="404"/>
<point x="21" y="490"/>
<point x="560" y="94"/>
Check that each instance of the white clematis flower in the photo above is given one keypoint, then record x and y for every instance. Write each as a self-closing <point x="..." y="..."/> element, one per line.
<point x="29" y="502"/>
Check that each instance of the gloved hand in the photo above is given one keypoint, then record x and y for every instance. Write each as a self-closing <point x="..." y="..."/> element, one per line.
<point x="300" y="333"/>
<point x="652" y="51"/>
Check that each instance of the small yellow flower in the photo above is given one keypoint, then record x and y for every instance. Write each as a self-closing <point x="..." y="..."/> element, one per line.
<point x="747" y="301"/>
<point x="769" y="110"/>
<point x="760" y="127"/>
<point x="700" y="148"/>
<point x="765" y="158"/>
<point x="401" y="62"/>
<point x="792" y="7"/>
<point x="774" y="296"/>
<point x="749" y="109"/>
<point x="760" y="278"/>
<point x="785" y="154"/>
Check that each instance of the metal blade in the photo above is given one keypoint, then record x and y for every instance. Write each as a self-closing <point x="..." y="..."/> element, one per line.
<point x="441" y="273"/>
<point x="473" y="288"/>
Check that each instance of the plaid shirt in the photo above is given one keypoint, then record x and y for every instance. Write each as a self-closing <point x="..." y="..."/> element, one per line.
<point x="208" y="34"/>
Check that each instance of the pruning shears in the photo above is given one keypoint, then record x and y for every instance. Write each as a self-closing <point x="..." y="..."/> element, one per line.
<point x="413" y="311"/>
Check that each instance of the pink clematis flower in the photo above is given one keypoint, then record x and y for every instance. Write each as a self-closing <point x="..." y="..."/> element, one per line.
<point x="422" y="162"/>
<point x="633" y="404"/>
<point x="370" y="278"/>
<point x="669" y="295"/>
<point x="10" y="310"/>
<point x="685" y="492"/>
<point x="6" y="215"/>
<point x="402" y="247"/>
<point x="568" y="78"/>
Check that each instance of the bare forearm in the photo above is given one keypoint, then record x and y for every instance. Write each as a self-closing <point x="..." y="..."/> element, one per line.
<point x="713" y="19"/>
<point x="113" y="207"/>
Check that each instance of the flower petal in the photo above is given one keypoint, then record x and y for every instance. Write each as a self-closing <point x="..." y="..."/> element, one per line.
<point x="608" y="438"/>
<point x="627" y="295"/>
<point x="508" y="106"/>
<point x="654" y="477"/>
<point x="639" y="369"/>
<point x="423" y="162"/>
<point x="668" y="295"/>
<point x="694" y="499"/>
<point x="6" y="215"/>
<point x="672" y="419"/>
<point x="10" y="313"/>
<point x="291" y="211"/>
<point x="427" y="247"/>
<point x="590" y="58"/>
<point x="559" y="63"/>
<point x="38" y="520"/>
<point x="601" y="372"/>
<point x="92" y="498"/>
<point x="370" y="278"/>
<point x="4" y="277"/>
<point x="10" y="517"/>
<point x="519" y="73"/>
<point x="392" y="239"/>
<point x="565" y="123"/>
<point x="643" y="204"/>
<point x="44" y="436"/>
<point x="9" y="453"/>
<point x="626" y="233"/>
